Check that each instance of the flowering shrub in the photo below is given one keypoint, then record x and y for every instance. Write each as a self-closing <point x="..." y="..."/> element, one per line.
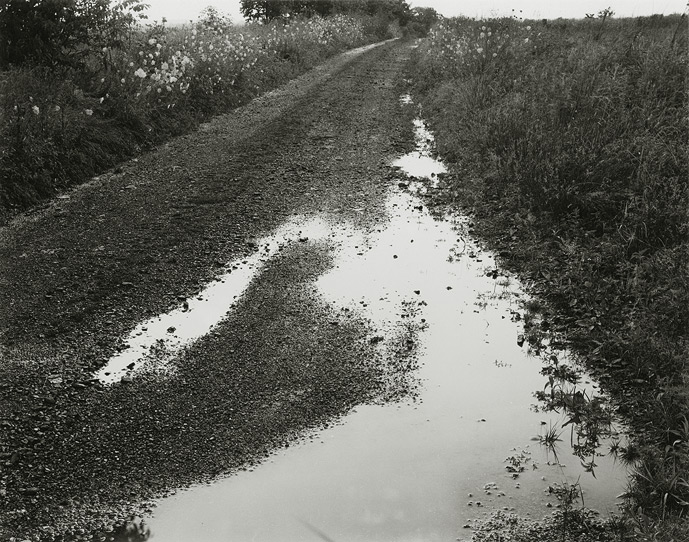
<point x="463" y="47"/>
<point x="158" y="81"/>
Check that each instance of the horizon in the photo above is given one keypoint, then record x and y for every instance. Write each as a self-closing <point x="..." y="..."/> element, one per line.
<point x="178" y="12"/>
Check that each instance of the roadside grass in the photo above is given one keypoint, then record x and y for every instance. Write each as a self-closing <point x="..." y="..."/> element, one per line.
<point x="567" y="141"/>
<point x="60" y="126"/>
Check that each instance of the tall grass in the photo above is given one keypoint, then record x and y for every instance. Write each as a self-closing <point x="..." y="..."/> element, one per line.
<point x="61" y="126"/>
<point x="569" y="141"/>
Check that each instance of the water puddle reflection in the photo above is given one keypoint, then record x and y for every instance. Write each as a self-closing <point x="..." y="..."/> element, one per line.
<point x="420" y="162"/>
<point x="153" y="344"/>
<point x="416" y="471"/>
<point x="413" y="471"/>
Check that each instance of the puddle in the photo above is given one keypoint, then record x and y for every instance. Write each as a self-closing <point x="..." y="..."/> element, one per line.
<point x="413" y="471"/>
<point x="154" y="343"/>
<point x="420" y="162"/>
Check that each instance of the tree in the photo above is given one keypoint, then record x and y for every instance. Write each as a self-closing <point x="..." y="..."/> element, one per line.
<point x="423" y="19"/>
<point x="264" y="10"/>
<point x="268" y="10"/>
<point x="62" y="32"/>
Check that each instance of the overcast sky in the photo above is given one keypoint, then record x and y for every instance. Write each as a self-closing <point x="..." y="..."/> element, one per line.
<point x="183" y="10"/>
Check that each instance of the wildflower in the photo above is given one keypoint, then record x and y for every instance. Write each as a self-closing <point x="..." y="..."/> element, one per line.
<point x="101" y="99"/>
<point x="526" y="40"/>
<point x="35" y="110"/>
<point x="528" y="28"/>
<point x="140" y="73"/>
<point x="56" y="109"/>
<point x="479" y="50"/>
<point x="131" y="64"/>
<point x="482" y="35"/>
<point x="152" y="41"/>
<point x="88" y="112"/>
<point x="123" y="80"/>
<point x="495" y="54"/>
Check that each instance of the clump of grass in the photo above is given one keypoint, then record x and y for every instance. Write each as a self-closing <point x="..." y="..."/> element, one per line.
<point x="550" y="437"/>
<point x="567" y="140"/>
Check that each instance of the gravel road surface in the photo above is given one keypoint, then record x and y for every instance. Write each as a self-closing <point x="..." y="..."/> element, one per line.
<point x="78" y="274"/>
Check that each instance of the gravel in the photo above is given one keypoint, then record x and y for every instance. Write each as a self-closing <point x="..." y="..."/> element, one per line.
<point x="78" y="274"/>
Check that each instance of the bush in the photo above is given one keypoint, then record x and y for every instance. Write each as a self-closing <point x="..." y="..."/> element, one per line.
<point x="62" y="33"/>
<point x="80" y="109"/>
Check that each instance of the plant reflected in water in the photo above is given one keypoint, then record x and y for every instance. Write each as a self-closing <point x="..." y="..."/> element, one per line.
<point x="589" y="416"/>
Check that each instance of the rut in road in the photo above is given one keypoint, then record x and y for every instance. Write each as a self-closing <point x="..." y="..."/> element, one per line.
<point x="80" y="274"/>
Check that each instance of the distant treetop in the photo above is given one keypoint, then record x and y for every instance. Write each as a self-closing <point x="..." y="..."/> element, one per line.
<point x="268" y="10"/>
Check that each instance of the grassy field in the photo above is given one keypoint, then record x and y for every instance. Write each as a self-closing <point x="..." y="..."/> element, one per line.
<point x="138" y="85"/>
<point x="567" y="140"/>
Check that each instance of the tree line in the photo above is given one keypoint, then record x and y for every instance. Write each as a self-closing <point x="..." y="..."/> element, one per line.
<point x="268" y="10"/>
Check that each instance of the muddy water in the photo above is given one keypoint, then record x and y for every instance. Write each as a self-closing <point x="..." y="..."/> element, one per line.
<point x="420" y="470"/>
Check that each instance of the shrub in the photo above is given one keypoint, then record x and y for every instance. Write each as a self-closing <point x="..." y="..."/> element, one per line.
<point x="82" y="108"/>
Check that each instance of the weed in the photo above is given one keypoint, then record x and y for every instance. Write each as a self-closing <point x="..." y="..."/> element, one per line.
<point x="567" y="142"/>
<point x="62" y="123"/>
<point x="551" y="437"/>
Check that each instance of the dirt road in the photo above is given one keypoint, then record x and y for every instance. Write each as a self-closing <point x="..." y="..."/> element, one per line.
<point x="78" y="275"/>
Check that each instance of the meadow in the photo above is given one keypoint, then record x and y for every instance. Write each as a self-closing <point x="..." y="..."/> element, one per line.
<point x="133" y="84"/>
<point x="567" y="142"/>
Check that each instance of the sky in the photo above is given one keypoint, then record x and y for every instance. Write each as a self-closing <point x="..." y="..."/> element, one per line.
<point x="176" y="11"/>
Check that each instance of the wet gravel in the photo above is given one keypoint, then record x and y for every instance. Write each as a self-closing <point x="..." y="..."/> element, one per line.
<point x="77" y="275"/>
